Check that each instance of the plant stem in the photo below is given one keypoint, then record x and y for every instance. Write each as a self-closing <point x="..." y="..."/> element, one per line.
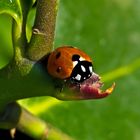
<point x="43" y="32"/>
<point x="19" y="77"/>
<point x="20" y="64"/>
<point x="15" y="116"/>
<point x="15" y="86"/>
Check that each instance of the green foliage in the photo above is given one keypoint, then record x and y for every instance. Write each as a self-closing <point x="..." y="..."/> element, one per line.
<point x="5" y="39"/>
<point x="11" y="10"/>
<point x="11" y="7"/>
<point x="109" y="32"/>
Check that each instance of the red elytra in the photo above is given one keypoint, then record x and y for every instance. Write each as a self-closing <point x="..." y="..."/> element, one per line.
<point x="60" y="64"/>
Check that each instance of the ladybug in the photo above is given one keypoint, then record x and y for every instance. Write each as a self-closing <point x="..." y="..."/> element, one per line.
<point x="68" y="62"/>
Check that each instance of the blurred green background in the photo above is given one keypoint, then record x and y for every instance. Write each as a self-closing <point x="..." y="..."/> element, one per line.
<point x="109" y="31"/>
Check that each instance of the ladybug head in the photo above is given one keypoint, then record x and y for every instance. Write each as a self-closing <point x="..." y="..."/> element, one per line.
<point x="82" y="69"/>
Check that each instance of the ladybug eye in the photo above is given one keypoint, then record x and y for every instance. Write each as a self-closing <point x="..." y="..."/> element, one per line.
<point x="75" y="57"/>
<point x="59" y="69"/>
<point x="57" y="55"/>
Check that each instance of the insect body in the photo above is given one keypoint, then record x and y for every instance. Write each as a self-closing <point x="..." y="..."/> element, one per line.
<point x="69" y="63"/>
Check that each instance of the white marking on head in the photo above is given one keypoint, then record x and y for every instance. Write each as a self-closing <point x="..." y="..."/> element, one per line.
<point x="81" y="59"/>
<point x="90" y="69"/>
<point x="83" y="68"/>
<point x="84" y="78"/>
<point x="78" y="77"/>
<point x="75" y="63"/>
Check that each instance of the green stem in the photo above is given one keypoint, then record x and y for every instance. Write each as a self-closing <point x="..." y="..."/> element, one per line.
<point x="15" y="86"/>
<point x="20" y="64"/>
<point x="15" y="116"/>
<point x="21" y="75"/>
<point x="38" y="129"/>
<point x="43" y="32"/>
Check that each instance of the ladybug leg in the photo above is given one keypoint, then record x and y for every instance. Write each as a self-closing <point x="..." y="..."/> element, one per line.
<point x="62" y="86"/>
<point x="78" y="85"/>
<point x="59" y="84"/>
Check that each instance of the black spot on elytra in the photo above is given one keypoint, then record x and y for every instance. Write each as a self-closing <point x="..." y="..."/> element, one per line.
<point x="58" y="69"/>
<point x="75" y="57"/>
<point x="58" y="55"/>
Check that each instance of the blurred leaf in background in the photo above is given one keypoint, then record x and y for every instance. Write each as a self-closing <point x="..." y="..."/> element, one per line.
<point x="5" y="39"/>
<point x="109" y="32"/>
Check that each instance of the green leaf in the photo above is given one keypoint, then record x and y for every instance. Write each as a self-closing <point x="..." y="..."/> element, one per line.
<point x="18" y="10"/>
<point x="6" y="51"/>
<point x="14" y="8"/>
<point x="11" y="7"/>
